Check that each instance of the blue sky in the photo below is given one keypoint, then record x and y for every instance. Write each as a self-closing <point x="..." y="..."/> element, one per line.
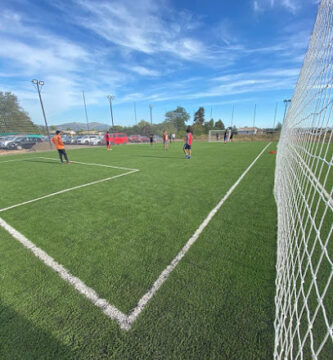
<point x="168" y="53"/>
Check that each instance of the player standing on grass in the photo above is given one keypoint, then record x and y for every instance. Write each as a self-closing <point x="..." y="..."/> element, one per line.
<point x="165" y="139"/>
<point x="57" y="141"/>
<point x="188" y="144"/>
<point x="107" y="141"/>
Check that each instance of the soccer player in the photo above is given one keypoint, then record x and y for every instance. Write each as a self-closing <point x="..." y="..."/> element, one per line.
<point x="57" y="141"/>
<point x="188" y="144"/>
<point x="107" y="141"/>
<point x="225" y="137"/>
<point x="165" y="139"/>
<point x="151" y="139"/>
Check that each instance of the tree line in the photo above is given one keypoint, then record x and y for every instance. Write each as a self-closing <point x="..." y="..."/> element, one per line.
<point x="176" y="122"/>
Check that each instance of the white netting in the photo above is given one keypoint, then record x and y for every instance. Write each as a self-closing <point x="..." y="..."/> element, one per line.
<point x="218" y="135"/>
<point x="303" y="191"/>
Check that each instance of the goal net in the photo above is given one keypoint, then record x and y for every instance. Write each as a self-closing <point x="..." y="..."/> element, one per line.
<point x="218" y="135"/>
<point x="303" y="191"/>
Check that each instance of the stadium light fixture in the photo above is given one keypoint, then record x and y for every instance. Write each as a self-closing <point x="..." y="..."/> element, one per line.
<point x="38" y="84"/>
<point x="111" y="97"/>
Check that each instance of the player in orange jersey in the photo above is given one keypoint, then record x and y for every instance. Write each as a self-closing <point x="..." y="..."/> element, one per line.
<point x="57" y="141"/>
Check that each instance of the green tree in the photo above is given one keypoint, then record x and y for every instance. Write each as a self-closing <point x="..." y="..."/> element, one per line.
<point x="12" y="117"/>
<point x="234" y="130"/>
<point x="199" y="116"/>
<point x="144" y="128"/>
<point x="278" y="126"/>
<point x="219" y="125"/>
<point x="209" y="125"/>
<point x="177" y="117"/>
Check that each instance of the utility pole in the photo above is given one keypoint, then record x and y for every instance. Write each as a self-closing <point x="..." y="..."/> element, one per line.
<point x="85" y="108"/>
<point x="39" y="84"/>
<point x="254" y="118"/>
<point x="111" y="97"/>
<point x="151" y="114"/>
<point x="286" y="102"/>
<point x="275" y="112"/>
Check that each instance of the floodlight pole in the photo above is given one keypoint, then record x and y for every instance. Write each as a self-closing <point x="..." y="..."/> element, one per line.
<point x="135" y="113"/>
<point x="286" y="102"/>
<point x="85" y="109"/>
<point x="41" y="83"/>
<point x="232" y="115"/>
<point x="254" y="118"/>
<point x="275" y="113"/>
<point x="151" y="114"/>
<point x="110" y="97"/>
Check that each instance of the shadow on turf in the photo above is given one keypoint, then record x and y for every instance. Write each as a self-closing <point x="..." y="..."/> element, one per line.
<point x="21" y="339"/>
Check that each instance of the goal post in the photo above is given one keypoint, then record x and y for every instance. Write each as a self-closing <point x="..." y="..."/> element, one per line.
<point x="304" y="195"/>
<point x="218" y="135"/>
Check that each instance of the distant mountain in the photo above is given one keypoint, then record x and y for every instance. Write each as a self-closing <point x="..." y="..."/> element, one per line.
<point x="76" y="126"/>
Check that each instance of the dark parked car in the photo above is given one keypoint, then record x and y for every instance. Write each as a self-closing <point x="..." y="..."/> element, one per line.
<point x="23" y="142"/>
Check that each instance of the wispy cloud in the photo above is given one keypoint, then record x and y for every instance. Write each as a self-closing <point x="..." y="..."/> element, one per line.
<point x="291" y="6"/>
<point x="140" y="26"/>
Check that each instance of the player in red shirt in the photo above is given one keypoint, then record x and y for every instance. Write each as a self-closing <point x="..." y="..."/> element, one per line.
<point x="108" y="141"/>
<point x="188" y="144"/>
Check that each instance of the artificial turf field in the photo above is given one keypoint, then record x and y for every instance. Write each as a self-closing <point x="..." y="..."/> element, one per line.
<point x="117" y="236"/>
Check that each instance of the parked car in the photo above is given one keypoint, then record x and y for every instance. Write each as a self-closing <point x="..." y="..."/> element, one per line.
<point x="89" y="140"/>
<point x="145" y="139"/>
<point x="22" y="142"/>
<point x="134" y="138"/>
<point x="5" y="140"/>
<point x="116" y="139"/>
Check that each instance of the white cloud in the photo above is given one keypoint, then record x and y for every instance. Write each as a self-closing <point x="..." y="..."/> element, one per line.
<point x="291" y="6"/>
<point x="144" y="71"/>
<point x="141" y="27"/>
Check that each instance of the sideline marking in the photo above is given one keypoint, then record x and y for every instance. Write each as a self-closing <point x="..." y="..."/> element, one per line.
<point x="29" y="158"/>
<point x="125" y="321"/>
<point x="74" y="187"/>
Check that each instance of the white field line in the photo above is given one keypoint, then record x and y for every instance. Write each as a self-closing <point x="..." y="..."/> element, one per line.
<point x="29" y="158"/>
<point x="125" y="322"/>
<point x="91" y="164"/>
<point x="167" y="271"/>
<point x="109" y="310"/>
<point x="66" y="190"/>
<point x="72" y="188"/>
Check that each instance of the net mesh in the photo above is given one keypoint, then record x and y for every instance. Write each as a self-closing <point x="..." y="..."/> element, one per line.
<point x="303" y="191"/>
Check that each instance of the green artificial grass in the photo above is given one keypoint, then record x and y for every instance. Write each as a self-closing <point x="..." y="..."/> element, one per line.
<point x="118" y="237"/>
